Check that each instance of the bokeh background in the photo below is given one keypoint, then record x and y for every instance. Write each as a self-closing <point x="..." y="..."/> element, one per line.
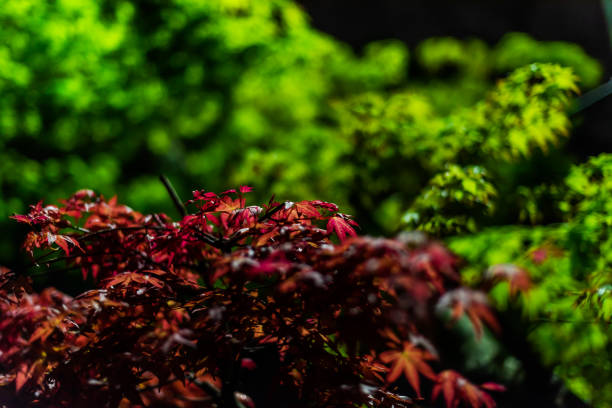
<point x="453" y="117"/>
<point x="580" y="22"/>
<point x="107" y="95"/>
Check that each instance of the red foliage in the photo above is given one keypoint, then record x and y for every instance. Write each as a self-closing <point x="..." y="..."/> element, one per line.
<point x="471" y="303"/>
<point x="457" y="389"/>
<point x="410" y="361"/>
<point x="233" y="306"/>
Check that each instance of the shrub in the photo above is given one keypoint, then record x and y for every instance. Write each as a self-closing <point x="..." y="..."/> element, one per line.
<point x="563" y="270"/>
<point x="234" y="305"/>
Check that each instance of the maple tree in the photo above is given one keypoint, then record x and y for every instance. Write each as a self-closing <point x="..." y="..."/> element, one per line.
<point x="234" y="305"/>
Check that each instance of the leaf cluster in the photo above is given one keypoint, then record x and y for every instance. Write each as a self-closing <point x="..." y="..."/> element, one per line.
<point x="562" y="272"/>
<point x="234" y="305"/>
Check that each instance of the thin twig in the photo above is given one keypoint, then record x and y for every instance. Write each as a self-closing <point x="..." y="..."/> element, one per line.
<point x="135" y="228"/>
<point x="592" y="97"/>
<point x="271" y="212"/>
<point x="174" y="195"/>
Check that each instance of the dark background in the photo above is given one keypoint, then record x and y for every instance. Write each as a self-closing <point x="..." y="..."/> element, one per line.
<point x="578" y="21"/>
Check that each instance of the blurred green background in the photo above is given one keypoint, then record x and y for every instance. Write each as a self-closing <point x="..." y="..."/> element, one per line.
<point x="108" y="94"/>
<point x="463" y="138"/>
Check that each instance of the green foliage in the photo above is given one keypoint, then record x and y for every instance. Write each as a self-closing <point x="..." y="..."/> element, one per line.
<point x="108" y="94"/>
<point x="402" y="137"/>
<point x="452" y="201"/>
<point x="466" y="58"/>
<point x="569" y="305"/>
<point x="573" y="340"/>
<point x="460" y="71"/>
<point x="589" y="190"/>
<point x="518" y="49"/>
<point x="129" y="93"/>
<point x="474" y="58"/>
<point x="527" y="111"/>
<point x="589" y="218"/>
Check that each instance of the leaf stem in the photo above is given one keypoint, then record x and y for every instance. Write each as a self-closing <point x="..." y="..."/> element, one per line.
<point x="174" y="196"/>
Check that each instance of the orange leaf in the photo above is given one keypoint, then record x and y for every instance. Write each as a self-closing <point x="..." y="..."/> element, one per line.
<point x="410" y="361"/>
<point x="42" y="332"/>
<point x="227" y="204"/>
<point x="22" y="377"/>
<point x="473" y="304"/>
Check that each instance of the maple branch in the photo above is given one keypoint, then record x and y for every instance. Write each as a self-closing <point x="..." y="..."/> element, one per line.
<point x="68" y="257"/>
<point x="144" y="227"/>
<point x="159" y="220"/>
<point x="271" y="212"/>
<point x="590" y="98"/>
<point x="35" y="261"/>
<point x="43" y="273"/>
<point x="223" y="244"/>
<point x="77" y="228"/>
<point x="47" y="263"/>
<point x="174" y="195"/>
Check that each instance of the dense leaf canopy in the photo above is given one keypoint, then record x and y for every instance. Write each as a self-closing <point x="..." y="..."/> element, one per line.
<point x="233" y="305"/>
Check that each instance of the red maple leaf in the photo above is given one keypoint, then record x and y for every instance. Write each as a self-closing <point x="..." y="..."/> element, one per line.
<point x="306" y="209"/>
<point x="341" y="225"/>
<point x="410" y="361"/>
<point x="324" y="204"/>
<point x="126" y="278"/>
<point x="472" y="303"/>
<point x="457" y="389"/>
<point x="63" y="242"/>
